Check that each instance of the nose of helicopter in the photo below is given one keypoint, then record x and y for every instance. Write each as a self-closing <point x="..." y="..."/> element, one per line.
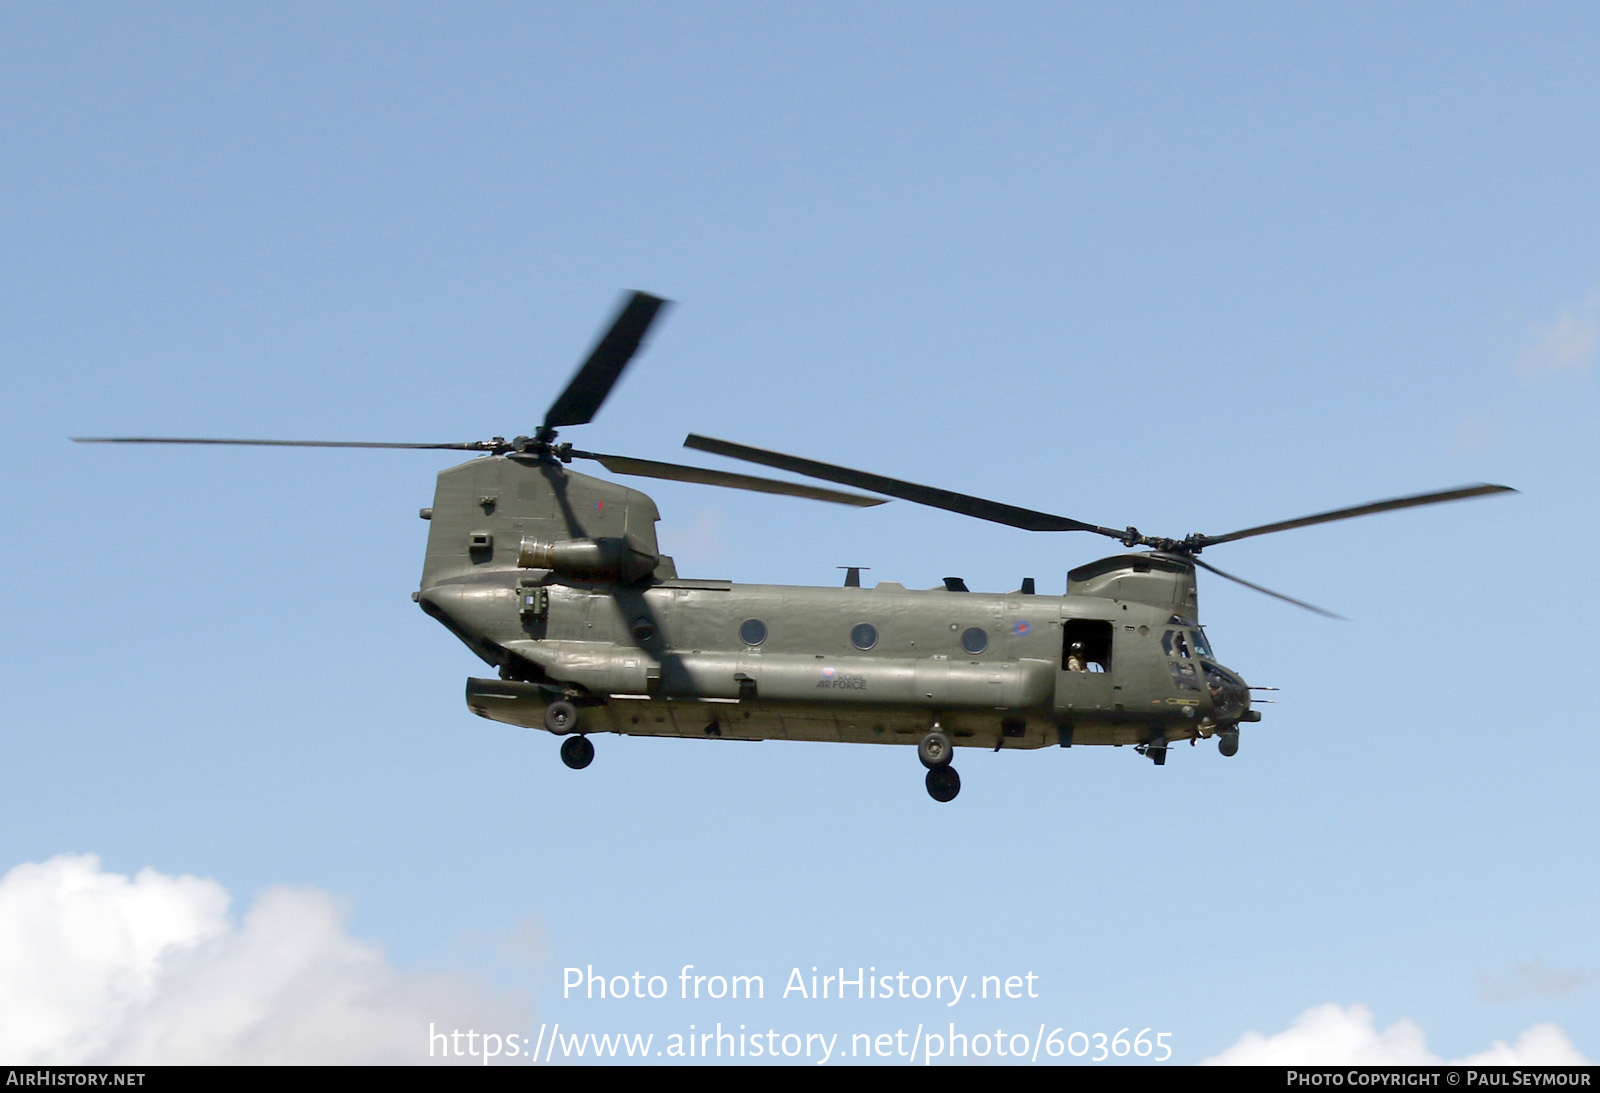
<point x="1230" y="697"/>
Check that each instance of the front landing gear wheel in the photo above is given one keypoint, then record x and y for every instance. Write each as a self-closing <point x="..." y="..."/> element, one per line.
<point x="934" y="750"/>
<point x="561" y="717"/>
<point x="943" y="783"/>
<point x="577" y="752"/>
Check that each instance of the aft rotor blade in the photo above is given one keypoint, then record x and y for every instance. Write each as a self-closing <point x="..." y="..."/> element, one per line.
<point x="966" y="505"/>
<point x="677" y="472"/>
<point x="1261" y="588"/>
<point x="471" y="446"/>
<point x="1480" y="490"/>
<point x="593" y="381"/>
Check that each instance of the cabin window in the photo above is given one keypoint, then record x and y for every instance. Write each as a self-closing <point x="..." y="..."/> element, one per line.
<point x="864" y="636"/>
<point x="974" y="640"/>
<point x="1086" y="645"/>
<point x="752" y="631"/>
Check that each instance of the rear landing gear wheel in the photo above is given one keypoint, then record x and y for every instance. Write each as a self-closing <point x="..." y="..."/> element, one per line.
<point x="577" y="752"/>
<point x="934" y="750"/>
<point x="943" y="783"/>
<point x="561" y="717"/>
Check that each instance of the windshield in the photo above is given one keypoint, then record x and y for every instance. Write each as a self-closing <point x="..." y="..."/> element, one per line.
<point x="1229" y="695"/>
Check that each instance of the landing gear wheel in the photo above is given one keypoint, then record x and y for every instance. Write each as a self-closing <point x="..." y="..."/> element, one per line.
<point x="1228" y="742"/>
<point x="943" y="783"/>
<point x="577" y="752"/>
<point x="934" y="751"/>
<point x="561" y="717"/>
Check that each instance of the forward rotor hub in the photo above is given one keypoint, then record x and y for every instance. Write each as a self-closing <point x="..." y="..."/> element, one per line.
<point x="1188" y="545"/>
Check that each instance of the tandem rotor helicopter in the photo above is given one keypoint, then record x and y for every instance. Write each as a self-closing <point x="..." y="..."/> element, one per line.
<point x="555" y="579"/>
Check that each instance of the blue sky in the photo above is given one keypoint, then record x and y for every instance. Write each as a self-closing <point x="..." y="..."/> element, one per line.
<point x="1189" y="267"/>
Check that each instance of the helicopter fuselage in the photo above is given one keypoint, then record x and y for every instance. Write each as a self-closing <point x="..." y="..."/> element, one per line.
<point x="554" y="578"/>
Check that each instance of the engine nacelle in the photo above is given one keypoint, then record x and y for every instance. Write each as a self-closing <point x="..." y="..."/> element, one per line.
<point x="614" y="558"/>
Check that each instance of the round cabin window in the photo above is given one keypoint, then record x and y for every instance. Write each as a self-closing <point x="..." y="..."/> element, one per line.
<point x="752" y="631"/>
<point x="864" y="636"/>
<point x="974" y="640"/>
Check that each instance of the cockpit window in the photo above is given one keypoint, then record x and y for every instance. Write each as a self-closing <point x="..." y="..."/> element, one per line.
<point x="1202" y="646"/>
<point x="1183" y="675"/>
<point x="1176" y="643"/>
<point x="1228" y="692"/>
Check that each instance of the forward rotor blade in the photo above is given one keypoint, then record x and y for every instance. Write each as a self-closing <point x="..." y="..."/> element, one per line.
<point x="471" y="446"/>
<point x="1201" y="541"/>
<point x="647" y="468"/>
<point x="591" y="384"/>
<point x="1260" y="588"/>
<point x="966" y="505"/>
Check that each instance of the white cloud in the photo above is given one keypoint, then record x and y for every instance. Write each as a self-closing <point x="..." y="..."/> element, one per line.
<point x="1334" y="1035"/>
<point x="1567" y="346"/>
<point x="103" y="968"/>
<point x="1541" y="1045"/>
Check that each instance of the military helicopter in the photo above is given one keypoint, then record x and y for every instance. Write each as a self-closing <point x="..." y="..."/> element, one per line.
<point x="555" y="579"/>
